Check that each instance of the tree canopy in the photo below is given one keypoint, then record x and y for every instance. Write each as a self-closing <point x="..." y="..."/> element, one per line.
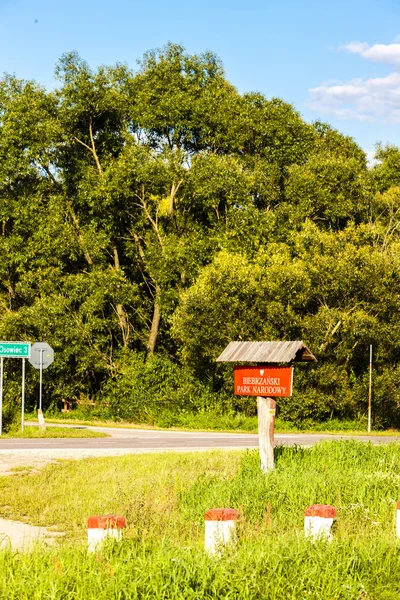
<point x="149" y="217"/>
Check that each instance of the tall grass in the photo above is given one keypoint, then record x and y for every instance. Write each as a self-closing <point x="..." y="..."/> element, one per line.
<point x="272" y="569"/>
<point x="164" y="498"/>
<point x="361" y="480"/>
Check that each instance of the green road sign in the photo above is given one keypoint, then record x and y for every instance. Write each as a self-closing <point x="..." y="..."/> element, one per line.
<point x="15" y="349"/>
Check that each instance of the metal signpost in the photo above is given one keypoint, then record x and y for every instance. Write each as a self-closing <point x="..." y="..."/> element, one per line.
<point x="1" y="393"/>
<point x="13" y="350"/>
<point x="370" y="390"/>
<point x="42" y="355"/>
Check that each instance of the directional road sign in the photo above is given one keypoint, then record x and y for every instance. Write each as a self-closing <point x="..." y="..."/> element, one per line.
<point x="42" y="355"/>
<point x="15" y="349"/>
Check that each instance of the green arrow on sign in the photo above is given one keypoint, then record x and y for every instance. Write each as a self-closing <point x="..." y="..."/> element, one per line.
<point x="15" y="349"/>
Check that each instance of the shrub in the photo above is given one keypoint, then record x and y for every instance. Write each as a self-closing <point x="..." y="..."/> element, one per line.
<point x="154" y="389"/>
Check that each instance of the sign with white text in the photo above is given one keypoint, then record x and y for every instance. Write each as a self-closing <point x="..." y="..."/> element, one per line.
<point x="263" y="381"/>
<point x="15" y="349"/>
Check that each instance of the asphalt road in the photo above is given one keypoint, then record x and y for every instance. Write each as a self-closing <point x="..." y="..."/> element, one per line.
<point x="156" y="440"/>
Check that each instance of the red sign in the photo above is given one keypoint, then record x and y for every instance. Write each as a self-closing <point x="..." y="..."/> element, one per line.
<point x="263" y="381"/>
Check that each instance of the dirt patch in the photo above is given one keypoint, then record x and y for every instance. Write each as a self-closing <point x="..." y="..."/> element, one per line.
<point x="12" y="461"/>
<point x="23" y="536"/>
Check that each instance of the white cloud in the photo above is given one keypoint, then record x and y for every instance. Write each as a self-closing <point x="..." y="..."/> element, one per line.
<point x="356" y="47"/>
<point x="384" y="53"/>
<point x="374" y="99"/>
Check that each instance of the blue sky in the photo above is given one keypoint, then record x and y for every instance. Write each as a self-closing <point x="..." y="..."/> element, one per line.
<point x="337" y="61"/>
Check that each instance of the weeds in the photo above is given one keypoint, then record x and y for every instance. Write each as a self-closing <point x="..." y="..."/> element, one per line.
<point x="164" y="498"/>
<point x="54" y="432"/>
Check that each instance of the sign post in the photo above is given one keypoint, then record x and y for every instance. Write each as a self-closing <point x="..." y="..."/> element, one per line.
<point x="13" y="350"/>
<point x="265" y="380"/>
<point x="266" y="424"/>
<point x="40" y="377"/>
<point x="370" y="390"/>
<point x="23" y="396"/>
<point x="42" y="355"/>
<point x="1" y="393"/>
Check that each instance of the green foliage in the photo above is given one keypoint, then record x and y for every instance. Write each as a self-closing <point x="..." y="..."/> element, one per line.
<point x="155" y="390"/>
<point x="148" y="218"/>
<point x="328" y="190"/>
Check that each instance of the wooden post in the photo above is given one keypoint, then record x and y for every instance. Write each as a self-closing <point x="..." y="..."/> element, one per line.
<point x="266" y="421"/>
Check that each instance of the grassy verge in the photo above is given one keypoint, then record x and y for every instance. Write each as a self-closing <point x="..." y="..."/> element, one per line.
<point x="164" y="498"/>
<point x="54" y="432"/>
<point x="234" y="424"/>
<point x="166" y="495"/>
<point x="282" y="569"/>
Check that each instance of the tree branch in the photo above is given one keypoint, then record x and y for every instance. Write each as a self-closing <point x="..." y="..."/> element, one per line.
<point x="96" y="158"/>
<point x="148" y="215"/>
<point x="174" y="189"/>
<point x="92" y="148"/>
<point x="79" y="235"/>
<point x="83" y="143"/>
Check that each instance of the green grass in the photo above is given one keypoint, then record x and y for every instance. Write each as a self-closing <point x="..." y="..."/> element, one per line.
<point x="278" y="569"/>
<point x="228" y="424"/>
<point x="164" y="497"/>
<point x="54" y="432"/>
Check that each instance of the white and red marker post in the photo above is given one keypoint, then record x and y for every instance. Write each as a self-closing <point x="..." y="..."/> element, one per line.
<point x="318" y="521"/>
<point x="398" y="520"/>
<point x="220" y="528"/>
<point x="102" y="527"/>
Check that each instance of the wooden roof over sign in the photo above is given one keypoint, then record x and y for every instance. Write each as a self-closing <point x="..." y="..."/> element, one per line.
<point x="266" y="352"/>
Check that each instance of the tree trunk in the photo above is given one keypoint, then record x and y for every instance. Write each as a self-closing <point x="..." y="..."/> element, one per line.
<point x="155" y="324"/>
<point x="122" y="318"/>
<point x="79" y="236"/>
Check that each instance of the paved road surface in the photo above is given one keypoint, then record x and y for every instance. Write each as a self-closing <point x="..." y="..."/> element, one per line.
<point x="23" y="453"/>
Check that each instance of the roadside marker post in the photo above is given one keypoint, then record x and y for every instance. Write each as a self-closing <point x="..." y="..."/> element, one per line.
<point x="13" y="350"/>
<point x="265" y="380"/>
<point x="102" y="527"/>
<point x="318" y="520"/>
<point x="398" y="520"/>
<point x="220" y="529"/>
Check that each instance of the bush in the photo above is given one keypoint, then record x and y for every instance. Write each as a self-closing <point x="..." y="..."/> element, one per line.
<point x="155" y="390"/>
<point x="11" y="417"/>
